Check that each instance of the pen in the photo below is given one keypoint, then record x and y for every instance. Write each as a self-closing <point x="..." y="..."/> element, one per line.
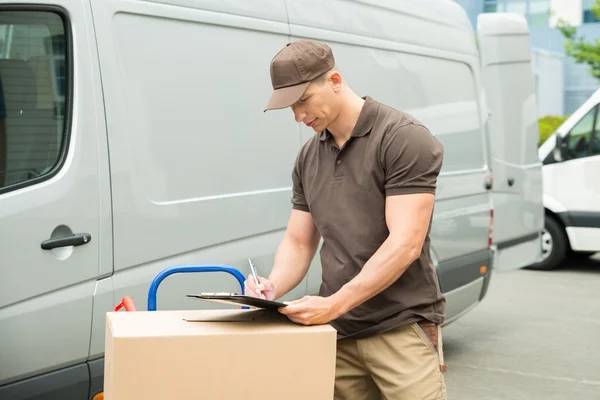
<point x="253" y="270"/>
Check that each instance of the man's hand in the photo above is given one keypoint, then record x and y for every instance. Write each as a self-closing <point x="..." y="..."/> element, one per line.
<point x="311" y="310"/>
<point x="266" y="288"/>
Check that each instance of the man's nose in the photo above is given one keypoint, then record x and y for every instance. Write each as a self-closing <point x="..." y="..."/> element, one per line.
<point x="298" y="114"/>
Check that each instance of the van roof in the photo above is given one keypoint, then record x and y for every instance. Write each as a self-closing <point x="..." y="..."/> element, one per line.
<point x="447" y="12"/>
<point x="435" y="24"/>
<point x="431" y="24"/>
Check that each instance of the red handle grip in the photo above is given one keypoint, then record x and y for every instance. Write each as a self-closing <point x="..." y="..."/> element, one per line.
<point x="127" y="302"/>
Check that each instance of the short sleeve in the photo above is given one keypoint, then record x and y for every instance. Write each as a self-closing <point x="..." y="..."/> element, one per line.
<point x="412" y="159"/>
<point x="298" y="198"/>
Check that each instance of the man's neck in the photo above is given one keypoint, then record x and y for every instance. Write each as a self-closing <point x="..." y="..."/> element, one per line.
<point x="341" y="129"/>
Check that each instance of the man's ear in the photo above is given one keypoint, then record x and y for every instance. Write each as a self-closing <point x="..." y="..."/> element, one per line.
<point x="335" y="79"/>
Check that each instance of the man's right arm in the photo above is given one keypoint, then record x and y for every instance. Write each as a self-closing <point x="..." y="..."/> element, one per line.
<point x="295" y="252"/>
<point x="292" y="259"/>
<point x="297" y="248"/>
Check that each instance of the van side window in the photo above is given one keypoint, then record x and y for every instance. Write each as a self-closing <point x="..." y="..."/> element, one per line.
<point x="596" y="139"/>
<point x="580" y="136"/>
<point x="33" y="78"/>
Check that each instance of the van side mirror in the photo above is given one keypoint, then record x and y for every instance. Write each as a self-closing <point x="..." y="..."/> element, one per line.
<point x="561" y="149"/>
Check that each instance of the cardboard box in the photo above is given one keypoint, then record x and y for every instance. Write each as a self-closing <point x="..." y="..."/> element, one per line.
<point x="216" y="354"/>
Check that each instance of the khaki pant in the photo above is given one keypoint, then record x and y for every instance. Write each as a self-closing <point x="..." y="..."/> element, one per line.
<point x="401" y="364"/>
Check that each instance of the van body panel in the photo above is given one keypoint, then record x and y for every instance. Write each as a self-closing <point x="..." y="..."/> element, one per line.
<point x="517" y="178"/>
<point x="96" y="368"/>
<point x="550" y="202"/>
<point x="509" y="24"/>
<point x="105" y="211"/>
<point x="460" y="300"/>
<point x="264" y="10"/>
<point x="37" y="327"/>
<point x="585" y="238"/>
<point x="165" y="200"/>
<point x="47" y="294"/>
<point x="460" y="224"/>
<point x="573" y="184"/>
<point x="104" y="300"/>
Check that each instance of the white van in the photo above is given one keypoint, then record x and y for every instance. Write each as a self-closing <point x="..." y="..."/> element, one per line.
<point x="133" y="139"/>
<point x="571" y="173"/>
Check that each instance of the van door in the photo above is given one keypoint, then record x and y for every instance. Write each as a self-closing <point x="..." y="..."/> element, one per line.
<point x="517" y="190"/>
<point x="49" y="201"/>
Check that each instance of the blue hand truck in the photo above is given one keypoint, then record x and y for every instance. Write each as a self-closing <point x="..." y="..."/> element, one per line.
<point x="127" y="301"/>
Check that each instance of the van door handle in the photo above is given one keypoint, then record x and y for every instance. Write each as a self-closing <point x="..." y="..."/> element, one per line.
<point x="76" y="240"/>
<point x="511" y="181"/>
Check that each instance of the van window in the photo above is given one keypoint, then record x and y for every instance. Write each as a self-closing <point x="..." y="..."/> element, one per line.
<point x="580" y="136"/>
<point x="596" y="139"/>
<point x="33" y="77"/>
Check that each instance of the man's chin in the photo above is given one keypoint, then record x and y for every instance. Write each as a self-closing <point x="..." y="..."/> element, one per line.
<point x="318" y="128"/>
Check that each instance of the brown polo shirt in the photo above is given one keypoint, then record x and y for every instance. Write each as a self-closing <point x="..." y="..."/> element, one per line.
<point x="389" y="153"/>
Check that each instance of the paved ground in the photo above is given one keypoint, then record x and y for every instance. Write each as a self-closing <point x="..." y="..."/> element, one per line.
<point x="536" y="335"/>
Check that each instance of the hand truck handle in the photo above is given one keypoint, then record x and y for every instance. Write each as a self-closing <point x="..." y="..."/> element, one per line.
<point x="127" y="302"/>
<point x="185" y="269"/>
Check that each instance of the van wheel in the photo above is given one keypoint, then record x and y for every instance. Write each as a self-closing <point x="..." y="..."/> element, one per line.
<point x="581" y="255"/>
<point x="554" y="246"/>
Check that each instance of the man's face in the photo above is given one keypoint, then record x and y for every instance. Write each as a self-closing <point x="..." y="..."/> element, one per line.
<point x="318" y="106"/>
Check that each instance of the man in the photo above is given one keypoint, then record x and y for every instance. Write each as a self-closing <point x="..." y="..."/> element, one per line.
<point x="365" y="183"/>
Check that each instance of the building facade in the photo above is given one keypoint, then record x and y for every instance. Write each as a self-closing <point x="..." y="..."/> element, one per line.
<point x="547" y="43"/>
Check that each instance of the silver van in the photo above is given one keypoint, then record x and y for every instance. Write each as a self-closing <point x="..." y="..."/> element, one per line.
<point x="132" y="139"/>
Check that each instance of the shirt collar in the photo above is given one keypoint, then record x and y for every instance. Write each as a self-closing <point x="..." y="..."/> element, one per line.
<point x="365" y="121"/>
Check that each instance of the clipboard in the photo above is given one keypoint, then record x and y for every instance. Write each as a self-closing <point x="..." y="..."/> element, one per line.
<point x="238" y="299"/>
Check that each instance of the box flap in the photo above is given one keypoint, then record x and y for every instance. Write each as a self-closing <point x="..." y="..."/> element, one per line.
<point x="203" y="322"/>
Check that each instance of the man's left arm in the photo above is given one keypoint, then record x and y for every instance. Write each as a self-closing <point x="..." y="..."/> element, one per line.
<point x="412" y="158"/>
<point x="407" y="217"/>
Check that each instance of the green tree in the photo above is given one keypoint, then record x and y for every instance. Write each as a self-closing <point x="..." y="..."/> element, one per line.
<point x="547" y="125"/>
<point x="583" y="52"/>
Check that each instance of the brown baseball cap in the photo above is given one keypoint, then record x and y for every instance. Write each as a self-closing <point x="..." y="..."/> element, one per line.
<point x="294" y="67"/>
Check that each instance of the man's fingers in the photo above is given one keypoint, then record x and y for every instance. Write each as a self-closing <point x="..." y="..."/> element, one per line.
<point x="299" y="319"/>
<point x="265" y="284"/>
<point x="250" y="288"/>
<point x="250" y="282"/>
<point x="292" y="309"/>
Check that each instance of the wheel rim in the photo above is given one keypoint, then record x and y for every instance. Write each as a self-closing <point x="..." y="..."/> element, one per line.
<point x="547" y="244"/>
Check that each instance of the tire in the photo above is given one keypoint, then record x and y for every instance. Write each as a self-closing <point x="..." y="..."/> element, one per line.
<point x="581" y="254"/>
<point x="554" y="246"/>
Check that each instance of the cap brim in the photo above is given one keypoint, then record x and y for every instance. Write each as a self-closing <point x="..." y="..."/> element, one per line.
<point x="285" y="97"/>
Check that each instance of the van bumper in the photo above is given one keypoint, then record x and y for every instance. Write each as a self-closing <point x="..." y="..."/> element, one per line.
<point x="464" y="281"/>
